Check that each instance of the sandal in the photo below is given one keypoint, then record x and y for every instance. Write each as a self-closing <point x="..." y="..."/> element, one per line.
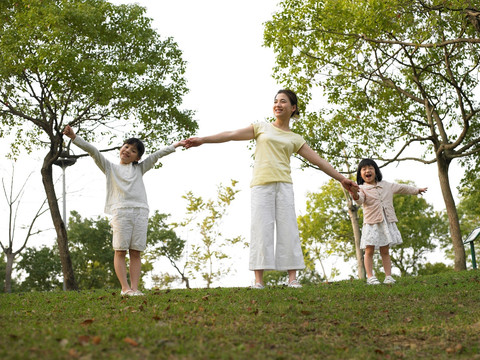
<point x="294" y="284"/>
<point x="258" y="286"/>
<point x="127" y="293"/>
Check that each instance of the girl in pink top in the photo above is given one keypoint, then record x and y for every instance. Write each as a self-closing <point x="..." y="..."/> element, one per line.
<point x="379" y="220"/>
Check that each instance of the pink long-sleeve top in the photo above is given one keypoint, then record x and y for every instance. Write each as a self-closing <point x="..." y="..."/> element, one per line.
<point x="379" y="198"/>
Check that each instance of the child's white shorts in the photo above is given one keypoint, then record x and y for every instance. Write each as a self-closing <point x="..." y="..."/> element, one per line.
<point x="129" y="226"/>
<point x="273" y="208"/>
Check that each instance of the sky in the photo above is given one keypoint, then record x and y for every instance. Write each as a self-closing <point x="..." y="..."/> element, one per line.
<point x="229" y="75"/>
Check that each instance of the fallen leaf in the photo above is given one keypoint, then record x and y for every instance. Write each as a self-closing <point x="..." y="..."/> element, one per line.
<point x="87" y="322"/>
<point x="84" y="339"/>
<point x="96" y="340"/>
<point x="130" y="341"/>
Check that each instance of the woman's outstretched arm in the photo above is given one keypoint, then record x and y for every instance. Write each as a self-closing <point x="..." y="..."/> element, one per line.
<point x="235" y="135"/>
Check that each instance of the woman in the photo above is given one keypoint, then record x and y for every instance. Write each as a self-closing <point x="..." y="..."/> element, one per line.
<point x="272" y="200"/>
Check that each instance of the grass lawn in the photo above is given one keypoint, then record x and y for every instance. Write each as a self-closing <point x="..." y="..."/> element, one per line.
<point x="434" y="317"/>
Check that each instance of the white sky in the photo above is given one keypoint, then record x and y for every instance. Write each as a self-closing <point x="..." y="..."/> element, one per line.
<point x="229" y="75"/>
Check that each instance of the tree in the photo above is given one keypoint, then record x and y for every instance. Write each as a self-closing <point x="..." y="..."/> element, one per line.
<point x="401" y="77"/>
<point x="92" y="254"/>
<point x="162" y="241"/>
<point x="42" y="270"/>
<point x="325" y="229"/>
<point x="90" y="64"/>
<point x="421" y="228"/>
<point x="208" y="255"/>
<point x="13" y="201"/>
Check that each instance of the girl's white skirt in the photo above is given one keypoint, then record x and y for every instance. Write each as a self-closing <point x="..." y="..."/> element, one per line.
<point x="380" y="234"/>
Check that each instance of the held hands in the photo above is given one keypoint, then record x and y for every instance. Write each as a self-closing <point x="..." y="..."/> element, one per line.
<point x="192" y="142"/>
<point x="351" y="187"/>
<point x="68" y="131"/>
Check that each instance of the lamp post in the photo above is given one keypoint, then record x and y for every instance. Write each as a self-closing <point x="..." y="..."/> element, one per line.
<point x="64" y="161"/>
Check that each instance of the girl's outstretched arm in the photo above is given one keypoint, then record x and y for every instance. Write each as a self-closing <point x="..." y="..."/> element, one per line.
<point x="180" y="143"/>
<point x="236" y="135"/>
<point x="308" y="153"/>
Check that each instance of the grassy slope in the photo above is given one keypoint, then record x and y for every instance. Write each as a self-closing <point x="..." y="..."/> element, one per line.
<point x="435" y="317"/>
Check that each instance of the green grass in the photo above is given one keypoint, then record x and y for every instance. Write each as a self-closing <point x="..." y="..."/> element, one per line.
<point x="434" y="317"/>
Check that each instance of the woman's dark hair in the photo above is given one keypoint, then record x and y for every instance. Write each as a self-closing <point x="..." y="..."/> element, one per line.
<point x="293" y="100"/>
<point x="138" y="144"/>
<point x="368" y="162"/>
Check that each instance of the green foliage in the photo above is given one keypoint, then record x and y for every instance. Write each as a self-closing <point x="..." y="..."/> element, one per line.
<point x="379" y="63"/>
<point x="207" y="256"/>
<point x="91" y="252"/>
<point x="95" y="66"/>
<point x="421" y="228"/>
<point x="433" y="269"/>
<point x="428" y="317"/>
<point x="162" y="241"/>
<point x="88" y="63"/>
<point x="42" y="270"/>
<point x="325" y="229"/>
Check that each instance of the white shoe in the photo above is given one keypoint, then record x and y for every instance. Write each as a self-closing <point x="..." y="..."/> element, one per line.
<point x="373" y="281"/>
<point x="389" y="280"/>
<point x="138" y="293"/>
<point x="258" y="286"/>
<point x="294" y="284"/>
<point x="127" y="293"/>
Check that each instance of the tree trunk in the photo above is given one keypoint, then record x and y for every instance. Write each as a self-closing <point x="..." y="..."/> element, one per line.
<point x="353" y="213"/>
<point x="357" y="235"/>
<point x="8" y="271"/>
<point x="454" y="224"/>
<point x="62" y="241"/>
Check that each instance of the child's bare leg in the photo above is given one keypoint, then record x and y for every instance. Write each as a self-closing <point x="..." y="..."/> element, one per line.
<point x="386" y="261"/>
<point x="368" y="260"/>
<point x="135" y="268"/>
<point x="121" y="269"/>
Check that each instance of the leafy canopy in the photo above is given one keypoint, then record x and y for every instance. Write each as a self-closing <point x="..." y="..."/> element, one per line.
<point x="396" y="72"/>
<point x="91" y="64"/>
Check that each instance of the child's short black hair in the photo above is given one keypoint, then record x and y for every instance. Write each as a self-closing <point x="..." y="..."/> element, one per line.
<point x="368" y="162"/>
<point x="138" y="144"/>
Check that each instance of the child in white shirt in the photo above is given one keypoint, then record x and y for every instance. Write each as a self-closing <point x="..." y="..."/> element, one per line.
<point x="126" y="200"/>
